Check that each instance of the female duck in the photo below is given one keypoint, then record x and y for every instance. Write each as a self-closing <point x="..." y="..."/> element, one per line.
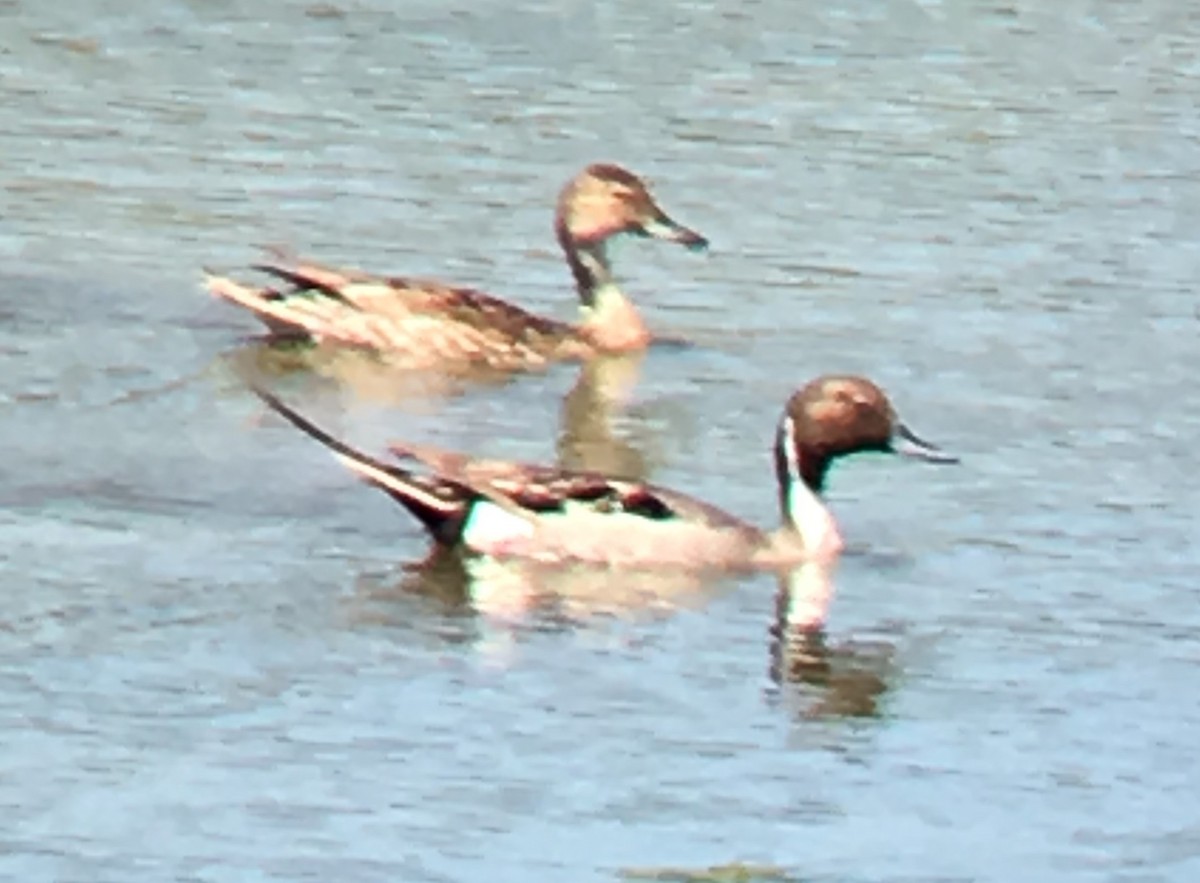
<point x="427" y="324"/>
<point x="502" y="509"/>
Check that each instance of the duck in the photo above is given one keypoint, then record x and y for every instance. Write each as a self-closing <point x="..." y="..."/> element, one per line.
<point x="423" y="323"/>
<point x="509" y="509"/>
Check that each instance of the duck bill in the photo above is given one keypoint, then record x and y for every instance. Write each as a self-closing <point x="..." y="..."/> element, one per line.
<point x="663" y="227"/>
<point x="909" y="444"/>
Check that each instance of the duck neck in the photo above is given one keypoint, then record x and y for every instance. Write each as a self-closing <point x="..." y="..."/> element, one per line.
<point x="801" y="475"/>
<point x="608" y="317"/>
<point x="589" y="266"/>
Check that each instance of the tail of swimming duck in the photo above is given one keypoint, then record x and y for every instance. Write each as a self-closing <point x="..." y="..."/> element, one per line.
<point x="346" y="307"/>
<point x="440" y="505"/>
<point x="281" y="314"/>
<point x="313" y="304"/>
<point x="304" y="282"/>
<point x="311" y="279"/>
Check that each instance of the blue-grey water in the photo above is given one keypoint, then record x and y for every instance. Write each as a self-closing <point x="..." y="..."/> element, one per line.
<point x="213" y="664"/>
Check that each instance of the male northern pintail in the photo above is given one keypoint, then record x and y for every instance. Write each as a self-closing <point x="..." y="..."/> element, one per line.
<point x="502" y="508"/>
<point x="428" y="324"/>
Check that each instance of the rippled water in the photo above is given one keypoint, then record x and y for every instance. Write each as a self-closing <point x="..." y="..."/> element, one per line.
<point x="212" y="663"/>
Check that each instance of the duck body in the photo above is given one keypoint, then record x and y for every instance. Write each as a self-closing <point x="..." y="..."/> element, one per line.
<point x="520" y="510"/>
<point x="424" y="323"/>
<point x="592" y="519"/>
<point x="419" y="323"/>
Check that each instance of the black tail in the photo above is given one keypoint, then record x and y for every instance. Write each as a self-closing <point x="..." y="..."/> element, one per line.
<point x="441" y="505"/>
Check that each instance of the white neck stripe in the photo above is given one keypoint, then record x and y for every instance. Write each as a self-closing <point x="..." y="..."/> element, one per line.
<point x="787" y="439"/>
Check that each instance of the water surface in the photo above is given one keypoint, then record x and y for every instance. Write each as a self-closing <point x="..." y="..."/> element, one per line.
<point x="212" y="663"/>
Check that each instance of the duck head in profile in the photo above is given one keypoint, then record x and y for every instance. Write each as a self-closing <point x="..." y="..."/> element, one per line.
<point x="601" y="203"/>
<point x="606" y="200"/>
<point x="831" y="417"/>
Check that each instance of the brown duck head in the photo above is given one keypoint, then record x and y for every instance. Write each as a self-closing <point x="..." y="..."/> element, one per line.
<point x="835" y="416"/>
<point x="603" y="201"/>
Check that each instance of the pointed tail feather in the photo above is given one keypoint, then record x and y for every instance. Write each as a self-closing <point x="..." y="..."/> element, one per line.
<point x="308" y="278"/>
<point x="439" y="505"/>
<point x="273" y="310"/>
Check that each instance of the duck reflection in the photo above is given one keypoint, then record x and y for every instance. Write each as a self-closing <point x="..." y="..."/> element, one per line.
<point x="602" y="390"/>
<point x="586" y="439"/>
<point x="368" y="375"/>
<point x="541" y="595"/>
<point x="824" y="681"/>
<point x="494" y="606"/>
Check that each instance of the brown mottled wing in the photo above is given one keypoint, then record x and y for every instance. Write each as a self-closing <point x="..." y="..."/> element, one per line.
<point x="525" y="485"/>
<point x="426" y="321"/>
<point x="536" y="487"/>
<point x="464" y="324"/>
